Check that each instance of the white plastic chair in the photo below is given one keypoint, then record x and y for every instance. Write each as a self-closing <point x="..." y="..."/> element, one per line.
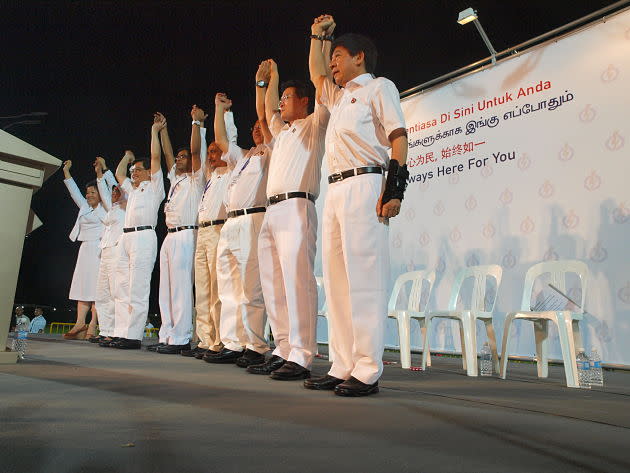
<point x="467" y="317"/>
<point x="403" y="317"/>
<point x="565" y="320"/>
<point x="323" y="312"/>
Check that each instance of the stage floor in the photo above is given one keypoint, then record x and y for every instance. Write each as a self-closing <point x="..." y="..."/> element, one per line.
<point x="75" y="407"/>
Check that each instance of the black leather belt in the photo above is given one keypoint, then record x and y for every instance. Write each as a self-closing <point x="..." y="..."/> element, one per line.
<point x="137" y="229"/>
<point x="184" y="227"/>
<point x="340" y="176"/>
<point x="209" y="223"/>
<point x="251" y="210"/>
<point x="274" y="199"/>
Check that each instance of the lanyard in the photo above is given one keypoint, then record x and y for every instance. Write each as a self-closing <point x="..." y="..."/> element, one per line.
<point x="170" y="194"/>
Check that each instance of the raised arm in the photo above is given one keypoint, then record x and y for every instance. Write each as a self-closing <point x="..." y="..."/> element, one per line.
<point x="197" y="144"/>
<point x="272" y="99"/>
<point x="159" y="122"/>
<point x="165" y="140"/>
<point x="319" y="54"/>
<point x="103" y="186"/>
<point x="123" y="165"/>
<point x="262" y="83"/>
<point x="75" y="193"/>
<point x="221" y="104"/>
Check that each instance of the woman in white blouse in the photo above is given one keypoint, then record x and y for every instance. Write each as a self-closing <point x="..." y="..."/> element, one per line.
<point x="87" y="229"/>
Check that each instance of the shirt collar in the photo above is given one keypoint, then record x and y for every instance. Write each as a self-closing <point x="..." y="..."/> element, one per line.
<point x="359" y="81"/>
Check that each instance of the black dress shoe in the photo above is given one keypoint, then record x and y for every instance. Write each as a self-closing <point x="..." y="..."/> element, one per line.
<point x="127" y="344"/>
<point x="250" y="357"/>
<point x="225" y="356"/>
<point x="155" y="346"/>
<point x="105" y="343"/>
<point x="191" y="352"/>
<point x="172" y="349"/>
<point x="355" y="388"/>
<point x="204" y="352"/>
<point x="290" y="371"/>
<point x="268" y="366"/>
<point x="325" y="383"/>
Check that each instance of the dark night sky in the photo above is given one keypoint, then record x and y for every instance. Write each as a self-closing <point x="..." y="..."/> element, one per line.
<point x="100" y="69"/>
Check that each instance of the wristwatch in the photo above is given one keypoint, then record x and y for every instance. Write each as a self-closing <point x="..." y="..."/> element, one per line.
<point x="196" y="122"/>
<point x="261" y="83"/>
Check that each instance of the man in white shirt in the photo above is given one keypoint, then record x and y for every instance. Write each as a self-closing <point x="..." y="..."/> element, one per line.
<point x="138" y="243"/>
<point x="106" y="297"/>
<point x="178" y="248"/>
<point x="211" y="216"/>
<point x="366" y="122"/>
<point x="20" y="317"/>
<point x="288" y="237"/>
<point x="242" y="303"/>
<point x="38" y="324"/>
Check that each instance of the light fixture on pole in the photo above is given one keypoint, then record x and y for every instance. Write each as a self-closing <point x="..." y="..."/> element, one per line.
<point x="468" y="15"/>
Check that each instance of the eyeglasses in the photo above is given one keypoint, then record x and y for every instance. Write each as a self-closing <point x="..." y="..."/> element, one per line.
<point x="285" y="97"/>
<point x="181" y="156"/>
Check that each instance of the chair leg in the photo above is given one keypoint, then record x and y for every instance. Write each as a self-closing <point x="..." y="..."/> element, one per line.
<point x="426" y="334"/>
<point x="469" y="324"/>
<point x="492" y="340"/>
<point x="463" y="345"/>
<point x="507" y="325"/>
<point x="577" y="336"/>
<point x="541" y="333"/>
<point x="567" y="344"/>
<point x="404" y="336"/>
<point x="423" y="331"/>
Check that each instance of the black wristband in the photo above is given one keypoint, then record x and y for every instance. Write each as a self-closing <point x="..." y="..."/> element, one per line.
<point x="396" y="182"/>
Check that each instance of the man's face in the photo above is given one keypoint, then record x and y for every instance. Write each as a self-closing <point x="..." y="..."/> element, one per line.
<point x="38" y="311"/>
<point x="92" y="196"/>
<point x="257" y="135"/>
<point x="213" y="159"/>
<point x="292" y="107"/>
<point x="139" y="173"/>
<point x="183" y="161"/>
<point x="344" y="66"/>
<point x="19" y="311"/>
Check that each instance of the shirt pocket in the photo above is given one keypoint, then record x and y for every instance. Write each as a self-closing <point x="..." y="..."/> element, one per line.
<point x="354" y="116"/>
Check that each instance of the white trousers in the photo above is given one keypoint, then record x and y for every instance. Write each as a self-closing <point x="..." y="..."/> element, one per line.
<point x="136" y="258"/>
<point x="207" y="301"/>
<point x="106" y="291"/>
<point x="238" y="277"/>
<point x="355" y="257"/>
<point x="286" y="253"/>
<point x="176" y="287"/>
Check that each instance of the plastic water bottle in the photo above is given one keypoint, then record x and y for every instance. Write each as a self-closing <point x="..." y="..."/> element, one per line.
<point x="583" y="369"/>
<point x="21" y="335"/>
<point x="485" y="365"/>
<point x="596" y="374"/>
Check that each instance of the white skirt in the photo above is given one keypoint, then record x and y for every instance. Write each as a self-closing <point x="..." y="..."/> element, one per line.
<point x="85" y="276"/>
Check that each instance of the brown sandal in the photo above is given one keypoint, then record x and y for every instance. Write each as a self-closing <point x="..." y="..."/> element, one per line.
<point x="76" y="333"/>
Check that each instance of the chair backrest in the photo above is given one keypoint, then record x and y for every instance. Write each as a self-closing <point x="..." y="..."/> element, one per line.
<point x="557" y="271"/>
<point x="478" y="296"/>
<point x="418" y="279"/>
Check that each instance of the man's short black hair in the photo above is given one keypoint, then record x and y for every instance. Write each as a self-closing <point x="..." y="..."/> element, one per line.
<point x="146" y="162"/>
<point x="302" y="89"/>
<point x="355" y="43"/>
<point x="183" y="148"/>
<point x="92" y="184"/>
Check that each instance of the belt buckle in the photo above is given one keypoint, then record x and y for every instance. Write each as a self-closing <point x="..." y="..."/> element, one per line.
<point x="336" y="177"/>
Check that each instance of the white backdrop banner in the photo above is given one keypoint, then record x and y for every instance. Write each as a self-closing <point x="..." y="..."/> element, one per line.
<point x="521" y="163"/>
